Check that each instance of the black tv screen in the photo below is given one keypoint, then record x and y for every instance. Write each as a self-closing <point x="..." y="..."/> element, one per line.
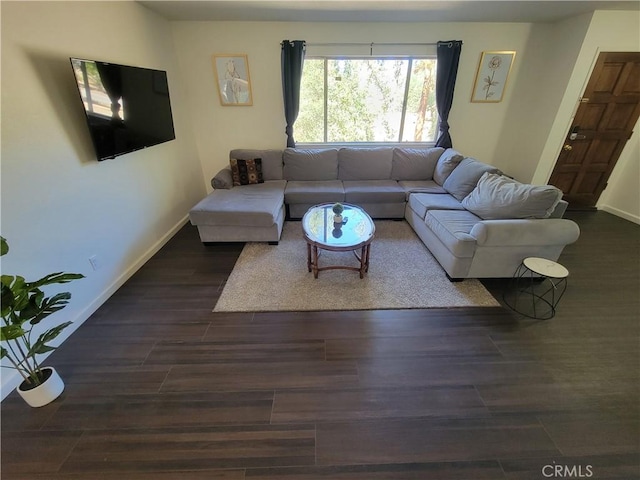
<point x="127" y="108"/>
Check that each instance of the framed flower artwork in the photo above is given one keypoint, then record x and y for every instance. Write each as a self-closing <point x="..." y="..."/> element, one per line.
<point x="232" y="77"/>
<point x="492" y="76"/>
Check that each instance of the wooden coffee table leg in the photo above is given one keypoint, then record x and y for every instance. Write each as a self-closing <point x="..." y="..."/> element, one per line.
<point x="309" y="256"/>
<point x="315" y="261"/>
<point x="368" y="247"/>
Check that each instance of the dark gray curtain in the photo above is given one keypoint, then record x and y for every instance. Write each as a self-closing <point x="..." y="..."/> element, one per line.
<point x="446" y="73"/>
<point x="292" y="61"/>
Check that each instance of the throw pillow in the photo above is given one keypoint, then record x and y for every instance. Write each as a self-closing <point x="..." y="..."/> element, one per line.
<point x="246" y="172"/>
<point x="446" y="163"/>
<point x="271" y="161"/>
<point x="356" y="163"/>
<point x="499" y="197"/>
<point x="414" y="163"/>
<point x="310" y="164"/>
<point x="465" y="177"/>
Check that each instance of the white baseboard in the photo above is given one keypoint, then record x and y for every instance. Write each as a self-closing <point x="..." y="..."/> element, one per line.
<point x="620" y="213"/>
<point x="11" y="379"/>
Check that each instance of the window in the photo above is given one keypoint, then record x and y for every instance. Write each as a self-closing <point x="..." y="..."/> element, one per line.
<point x="372" y="100"/>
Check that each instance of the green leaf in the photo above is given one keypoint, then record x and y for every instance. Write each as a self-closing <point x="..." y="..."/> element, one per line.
<point x="58" y="277"/>
<point x="39" y="349"/>
<point x="33" y="305"/>
<point x="4" y="246"/>
<point x="11" y="332"/>
<point x="7" y="300"/>
<point x="19" y="289"/>
<point x="40" y="345"/>
<point x="3" y="352"/>
<point x="53" y="332"/>
<point x="47" y="307"/>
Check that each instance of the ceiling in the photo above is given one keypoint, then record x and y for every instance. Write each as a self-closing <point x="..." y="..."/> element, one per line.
<point x="546" y="11"/>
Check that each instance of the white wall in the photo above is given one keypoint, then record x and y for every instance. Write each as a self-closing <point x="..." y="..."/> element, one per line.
<point x="475" y="127"/>
<point x="622" y="196"/>
<point x="59" y="205"/>
<point x="609" y="31"/>
<point x="547" y="63"/>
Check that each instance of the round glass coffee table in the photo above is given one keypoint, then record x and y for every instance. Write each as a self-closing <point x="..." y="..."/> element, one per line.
<point x="354" y="234"/>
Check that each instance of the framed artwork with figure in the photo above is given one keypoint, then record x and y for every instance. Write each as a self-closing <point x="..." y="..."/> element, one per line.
<point x="492" y="76"/>
<point x="233" y="79"/>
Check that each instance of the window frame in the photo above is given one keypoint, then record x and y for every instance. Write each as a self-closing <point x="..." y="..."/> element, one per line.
<point x="398" y="143"/>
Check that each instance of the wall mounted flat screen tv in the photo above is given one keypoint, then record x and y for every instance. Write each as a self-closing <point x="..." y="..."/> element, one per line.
<point x="127" y="108"/>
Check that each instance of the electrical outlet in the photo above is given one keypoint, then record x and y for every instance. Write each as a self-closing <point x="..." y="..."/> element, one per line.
<point x="95" y="264"/>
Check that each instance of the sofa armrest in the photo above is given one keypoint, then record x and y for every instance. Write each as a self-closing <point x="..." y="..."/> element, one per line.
<point x="548" y="231"/>
<point x="561" y="207"/>
<point x="223" y="179"/>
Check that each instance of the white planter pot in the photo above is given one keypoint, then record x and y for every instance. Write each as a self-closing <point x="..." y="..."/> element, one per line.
<point x="45" y="393"/>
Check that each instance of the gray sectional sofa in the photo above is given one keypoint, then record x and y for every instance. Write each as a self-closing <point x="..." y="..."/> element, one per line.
<point x="476" y="222"/>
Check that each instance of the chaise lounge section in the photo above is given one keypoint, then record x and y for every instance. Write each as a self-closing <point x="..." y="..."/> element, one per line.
<point x="247" y="213"/>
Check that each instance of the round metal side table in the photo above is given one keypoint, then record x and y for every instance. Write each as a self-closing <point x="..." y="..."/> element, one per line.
<point x="536" y="288"/>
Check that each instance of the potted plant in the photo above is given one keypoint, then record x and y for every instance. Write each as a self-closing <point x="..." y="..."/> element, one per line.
<point x="337" y="211"/>
<point x="24" y="306"/>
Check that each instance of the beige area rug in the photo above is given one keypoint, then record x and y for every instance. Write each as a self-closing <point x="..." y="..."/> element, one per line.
<point x="402" y="274"/>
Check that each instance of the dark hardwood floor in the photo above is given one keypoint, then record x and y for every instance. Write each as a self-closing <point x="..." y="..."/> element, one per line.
<point x="158" y="387"/>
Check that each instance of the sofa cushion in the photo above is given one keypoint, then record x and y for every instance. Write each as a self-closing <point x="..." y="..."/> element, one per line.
<point x="365" y="163"/>
<point x="257" y="205"/>
<point x="246" y="172"/>
<point x="465" y="176"/>
<point x="421" y="186"/>
<point x="498" y="197"/>
<point x="313" y="191"/>
<point x="452" y="228"/>
<point x="449" y="160"/>
<point x="271" y="161"/>
<point x="414" y="163"/>
<point x="310" y="164"/>
<point x="421" y="203"/>
<point x="373" y="191"/>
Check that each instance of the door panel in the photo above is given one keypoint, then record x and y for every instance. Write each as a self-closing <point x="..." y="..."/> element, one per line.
<point x="601" y="127"/>
<point x="619" y="117"/>
<point x="631" y="84"/>
<point x="590" y="182"/>
<point x="608" y="78"/>
<point x="592" y="116"/>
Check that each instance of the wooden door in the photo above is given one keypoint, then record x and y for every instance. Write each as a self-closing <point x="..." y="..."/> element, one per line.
<point x="603" y="123"/>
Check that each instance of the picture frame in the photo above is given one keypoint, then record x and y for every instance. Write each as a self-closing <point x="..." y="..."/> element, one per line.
<point x="492" y="76"/>
<point x="233" y="79"/>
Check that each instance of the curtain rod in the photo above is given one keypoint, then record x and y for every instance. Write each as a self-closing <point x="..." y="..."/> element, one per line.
<point x="370" y="44"/>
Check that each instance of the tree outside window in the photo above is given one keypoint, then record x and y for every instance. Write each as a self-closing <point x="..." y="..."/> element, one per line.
<point x="372" y="100"/>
